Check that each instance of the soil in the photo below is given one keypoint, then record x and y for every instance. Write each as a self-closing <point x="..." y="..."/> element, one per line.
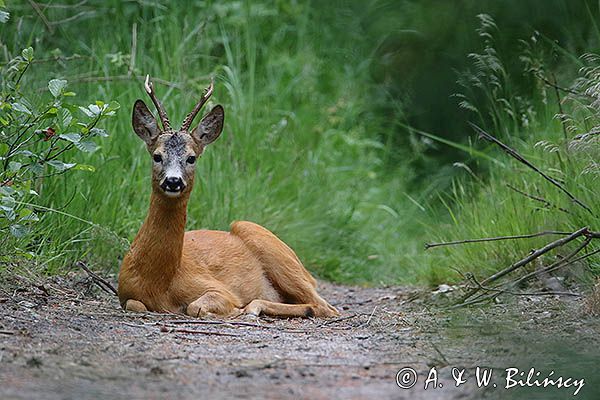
<point x="63" y="338"/>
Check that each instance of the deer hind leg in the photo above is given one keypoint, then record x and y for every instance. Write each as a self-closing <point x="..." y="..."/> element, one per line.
<point x="258" y="307"/>
<point x="213" y="302"/>
<point x="135" y="306"/>
<point x="285" y="272"/>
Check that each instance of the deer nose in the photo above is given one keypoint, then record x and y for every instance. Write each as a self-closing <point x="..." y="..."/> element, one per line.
<point x="173" y="184"/>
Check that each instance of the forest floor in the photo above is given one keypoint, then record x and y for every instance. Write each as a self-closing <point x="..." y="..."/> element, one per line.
<point x="63" y="338"/>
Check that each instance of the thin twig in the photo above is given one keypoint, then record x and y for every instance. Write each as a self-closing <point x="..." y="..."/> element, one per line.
<point x="232" y="323"/>
<point x="81" y="3"/>
<point x="557" y="87"/>
<point x="500" y="290"/>
<point x="200" y="332"/>
<point x="2" y="332"/>
<point x="513" y="153"/>
<point x="163" y="82"/>
<point x="334" y="321"/>
<point x="40" y="14"/>
<point x="537" y="198"/>
<point x="103" y="283"/>
<point x="72" y="17"/>
<point x="563" y="120"/>
<point x="492" y="239"/>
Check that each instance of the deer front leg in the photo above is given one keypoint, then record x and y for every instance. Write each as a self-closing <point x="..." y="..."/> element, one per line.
<point x="135" y="306"/>
<point x="214" y="302"/>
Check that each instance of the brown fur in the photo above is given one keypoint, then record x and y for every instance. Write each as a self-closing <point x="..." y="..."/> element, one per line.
<point x="245" y="270"/>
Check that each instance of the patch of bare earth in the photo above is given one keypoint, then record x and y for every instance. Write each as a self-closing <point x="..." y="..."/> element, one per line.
<point x="64" y="339"/>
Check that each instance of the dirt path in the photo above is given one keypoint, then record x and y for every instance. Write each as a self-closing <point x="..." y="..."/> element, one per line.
<point x="67" y="340"/>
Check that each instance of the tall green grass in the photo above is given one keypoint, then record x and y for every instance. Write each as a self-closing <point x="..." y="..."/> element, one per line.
<point x="300" y="152"/>
<point x="312" y="145"/>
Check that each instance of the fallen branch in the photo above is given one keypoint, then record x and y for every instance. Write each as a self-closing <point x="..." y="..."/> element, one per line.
<point x="98" y="280"/>
<point x="500" y="290"/>
<point x="513" y="153"/>
<point x="561" y="264"/>
<point x="583" y="232"/>
<point x="536" y="253"/>
<point x="493" y="239"/>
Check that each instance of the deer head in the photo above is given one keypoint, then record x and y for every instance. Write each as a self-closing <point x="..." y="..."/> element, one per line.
<point x="174" y="152"/>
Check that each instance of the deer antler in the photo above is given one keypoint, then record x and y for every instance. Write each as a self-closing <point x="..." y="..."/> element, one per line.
<point x="187" y="122"/>
<point x="161" y="111"/>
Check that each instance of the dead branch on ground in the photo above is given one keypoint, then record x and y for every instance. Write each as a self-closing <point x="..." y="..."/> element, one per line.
<point x="482" y="292"/>
<point x="98" y="280"/>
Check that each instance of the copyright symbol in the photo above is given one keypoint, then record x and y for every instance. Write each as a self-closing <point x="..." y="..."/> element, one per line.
<point x="406" y="378"/>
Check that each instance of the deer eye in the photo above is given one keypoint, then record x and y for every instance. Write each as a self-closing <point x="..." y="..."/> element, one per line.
<point x="157" y="158"/>
<point x="191" y="160"/>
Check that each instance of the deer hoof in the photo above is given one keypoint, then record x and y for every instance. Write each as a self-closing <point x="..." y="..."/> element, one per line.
<point x="253" y="308"/>
<point x="135" y="306"/>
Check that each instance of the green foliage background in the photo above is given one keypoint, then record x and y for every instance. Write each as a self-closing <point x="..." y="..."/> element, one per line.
<point x="342" y="133"/>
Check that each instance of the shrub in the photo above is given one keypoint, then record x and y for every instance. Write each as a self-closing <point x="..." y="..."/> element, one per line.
<point x="36" y="139"/>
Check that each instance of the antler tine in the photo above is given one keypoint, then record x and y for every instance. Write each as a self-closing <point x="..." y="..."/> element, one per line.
<point x="187" y="122"/>
<point x="161" y="111"/>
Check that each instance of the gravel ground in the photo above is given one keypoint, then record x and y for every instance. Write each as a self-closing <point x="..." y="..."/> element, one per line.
<point x="63" y="338"/>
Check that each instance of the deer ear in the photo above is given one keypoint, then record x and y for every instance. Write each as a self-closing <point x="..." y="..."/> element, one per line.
<point x="144" y="123"/>
<point x="210" y="127"/>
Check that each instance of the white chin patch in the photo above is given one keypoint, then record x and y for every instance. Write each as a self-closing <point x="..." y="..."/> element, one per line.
<point x="172" y="194"/>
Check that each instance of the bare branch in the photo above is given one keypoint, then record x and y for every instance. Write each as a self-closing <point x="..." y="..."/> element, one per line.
<point x="40" y="14"/>
<point x="103" y="283"/>
<point x="513" y="153"/>
<point x="537" y="198"/>
<point x="493" y="239"/>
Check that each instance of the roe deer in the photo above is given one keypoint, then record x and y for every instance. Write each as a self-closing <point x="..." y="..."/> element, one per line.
<point x="246" y="270"/>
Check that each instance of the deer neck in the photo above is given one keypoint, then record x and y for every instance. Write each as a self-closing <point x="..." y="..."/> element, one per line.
<point x="158" y="246"/>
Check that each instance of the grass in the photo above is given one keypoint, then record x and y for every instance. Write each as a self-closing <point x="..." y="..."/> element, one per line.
<point x="307" y="151"/>
<point x="297" y="155"/>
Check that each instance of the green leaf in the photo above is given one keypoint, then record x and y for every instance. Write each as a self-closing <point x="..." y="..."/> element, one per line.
<point x="36" y="168"/>
<point x="69" y="94"/>
<point x="56" y="86"/>
<point x="14" y="166"/>
<point x="3" y="149"/>
<point x="71" y="137"/>
<point x="27" y="53"/>
<point x="26" y="214"/>
<point x="99" y="132"/>
<point x="67" y="117"/>
<point x="9" y="213"/>
<point x="2" y="4"/>
<point x="113" y="105"/>
<point x="4" y="16"/>
<point x="6" y="191"/>
<point x="95" y="109"/>
<point x="87" y="112"/>
<point x="20" y="108"/>
<point x="87" y="147"/>
<point x="85" y="167"/>
<point x="18" y="230"/>
<point x="60" y="166"/>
